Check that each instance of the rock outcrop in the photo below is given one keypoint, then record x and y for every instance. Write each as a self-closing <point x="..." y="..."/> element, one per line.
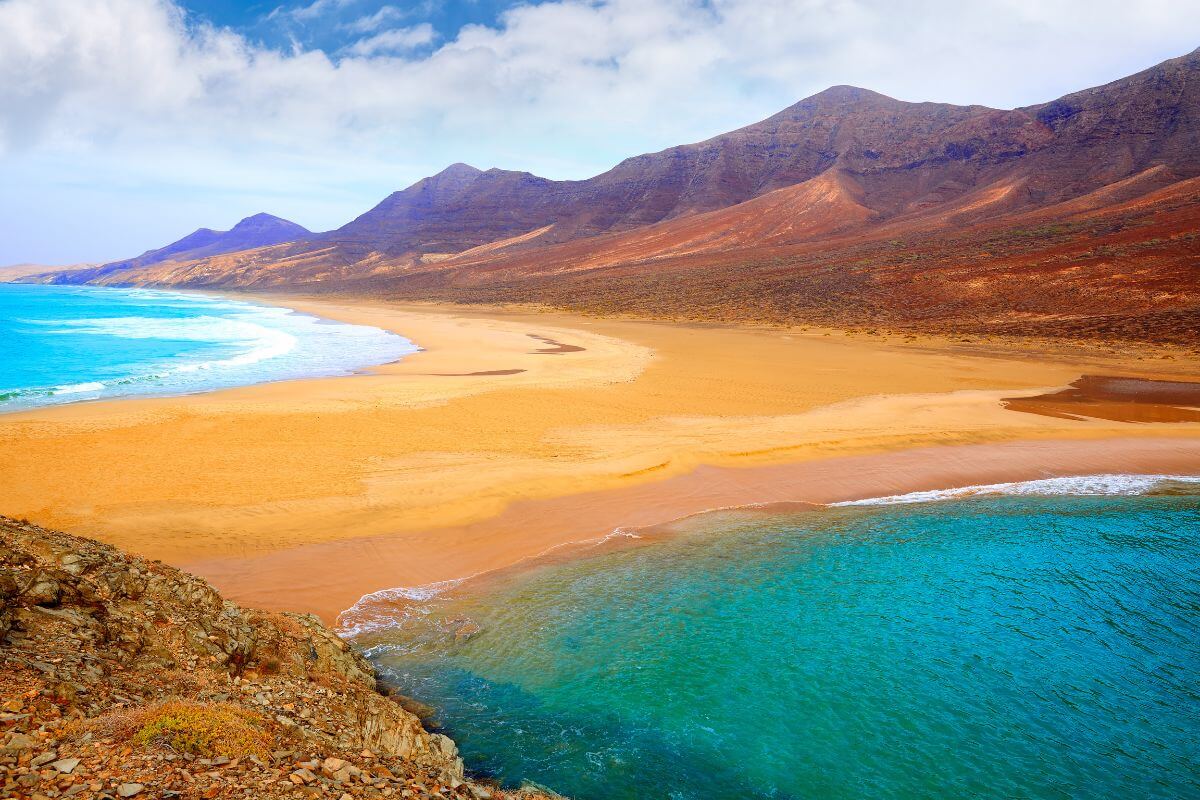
<point x="122" y="677"/>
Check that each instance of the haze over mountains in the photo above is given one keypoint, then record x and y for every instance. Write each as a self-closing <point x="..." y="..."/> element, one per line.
<point x="1077" y="216"/>
<point x="255" y="231"/>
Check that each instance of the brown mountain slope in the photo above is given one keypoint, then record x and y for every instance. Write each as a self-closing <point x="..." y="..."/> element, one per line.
<point x="255" y="231"/>
<point x="463" y="207"/>
<point x="687" y="230"/>
<point x="1129" y="270"/>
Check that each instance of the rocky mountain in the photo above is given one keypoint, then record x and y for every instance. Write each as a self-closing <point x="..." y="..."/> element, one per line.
<point x="259" y="230"/>
<point x="122" y="677"/>
<point x="733" y="227"/>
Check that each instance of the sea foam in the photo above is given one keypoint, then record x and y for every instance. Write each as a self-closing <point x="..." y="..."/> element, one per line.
<point x="1081" y="485"/>
<point x="68" y="344"/>
<point x="389" y="609"/>
<point x="80" y="388"/>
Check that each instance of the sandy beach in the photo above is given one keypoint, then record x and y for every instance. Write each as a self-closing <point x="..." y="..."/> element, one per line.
<point x="515" y="431"/>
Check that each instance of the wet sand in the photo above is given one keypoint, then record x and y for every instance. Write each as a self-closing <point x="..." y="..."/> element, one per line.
<point x="407" y="560"/>
<point x="1116" y="398"/>
<point x="485" y="449"/>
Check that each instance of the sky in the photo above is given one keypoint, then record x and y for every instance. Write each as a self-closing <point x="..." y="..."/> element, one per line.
<point x="126" y="124"/>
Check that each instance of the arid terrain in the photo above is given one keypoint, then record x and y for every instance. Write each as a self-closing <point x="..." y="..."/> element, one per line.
<point x="1075" y="218"/>
<point x="844" y="449"/>
<point x="127" y="678"/>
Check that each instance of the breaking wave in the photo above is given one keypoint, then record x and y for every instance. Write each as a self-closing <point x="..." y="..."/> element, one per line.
<point x="1078" y="486"/>
<point x="72" y="344"/>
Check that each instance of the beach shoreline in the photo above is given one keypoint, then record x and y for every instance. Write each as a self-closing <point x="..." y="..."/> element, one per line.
<point x="514" y="431"/>
<point x="156" y="343"/>
<point x="570" y="526"/>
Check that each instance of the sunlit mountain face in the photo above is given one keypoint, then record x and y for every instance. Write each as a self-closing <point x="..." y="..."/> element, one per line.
<point x="316" y="109"/>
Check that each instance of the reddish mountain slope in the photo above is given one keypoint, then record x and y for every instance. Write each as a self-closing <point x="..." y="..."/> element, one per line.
<point x="849" y="207"/>
<point x="1129" y="270"/>
<point x="859" y="131"/>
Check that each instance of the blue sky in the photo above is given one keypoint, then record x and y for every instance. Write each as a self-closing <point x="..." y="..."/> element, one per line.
<point x="126" y="124"/>
<point x="279" y="24"/>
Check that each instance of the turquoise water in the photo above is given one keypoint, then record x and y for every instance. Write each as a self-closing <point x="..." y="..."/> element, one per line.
<point x="61" y="344"/>
<point x="997" y="647"/>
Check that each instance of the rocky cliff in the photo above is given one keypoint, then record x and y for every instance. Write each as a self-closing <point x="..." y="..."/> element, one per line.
<point x="122" y="677"/>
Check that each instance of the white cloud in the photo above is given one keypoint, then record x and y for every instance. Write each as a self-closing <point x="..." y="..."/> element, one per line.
<point x="114" y="69"/>
<point x="370" y="23"/>
<point x="312" y="11"/>
<point x="566" y="87"/>
<point x="396" y="40"/>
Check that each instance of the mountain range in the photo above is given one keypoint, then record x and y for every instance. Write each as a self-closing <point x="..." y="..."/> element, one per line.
<point x="1078" y="217"/>
<point x="252" y="232"/>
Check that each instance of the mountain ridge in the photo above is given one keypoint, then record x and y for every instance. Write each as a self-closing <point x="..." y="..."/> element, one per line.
<point x="257" y="230"/>
<point x="845" y="162"/>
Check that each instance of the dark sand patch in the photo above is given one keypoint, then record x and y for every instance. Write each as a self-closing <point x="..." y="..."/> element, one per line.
<point x="1117" y="399"/>
<point x="482" y="373"/>
<point x="555" y="347"/>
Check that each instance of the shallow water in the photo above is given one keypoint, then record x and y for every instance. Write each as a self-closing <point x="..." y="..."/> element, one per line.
<point x="995" y="646"/>
<point x="61" y="344"/>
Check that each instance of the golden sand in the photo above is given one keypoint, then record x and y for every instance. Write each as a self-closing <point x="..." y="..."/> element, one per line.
<point x="516" y="411"/>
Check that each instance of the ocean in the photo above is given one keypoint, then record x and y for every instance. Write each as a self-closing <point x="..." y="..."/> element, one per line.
<point x="1031" y="640"/>
<point x="62" y="344"/>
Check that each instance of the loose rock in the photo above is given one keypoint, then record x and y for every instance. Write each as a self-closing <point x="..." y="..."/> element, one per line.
<point x="150" y="684"/>
<point x="66" y="765"/>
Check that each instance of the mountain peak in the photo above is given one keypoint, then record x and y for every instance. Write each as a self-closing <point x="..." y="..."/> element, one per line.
<point x="260" y="217"/>
<point x="453" y="178"/>
<point x="459" y="170"/>
<point x="257" y="230"/>
<point x="845" y="94"/>
<point x="841" y="91"/>
<point x="264" y="229"/>
<point x="834" y="100"/>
